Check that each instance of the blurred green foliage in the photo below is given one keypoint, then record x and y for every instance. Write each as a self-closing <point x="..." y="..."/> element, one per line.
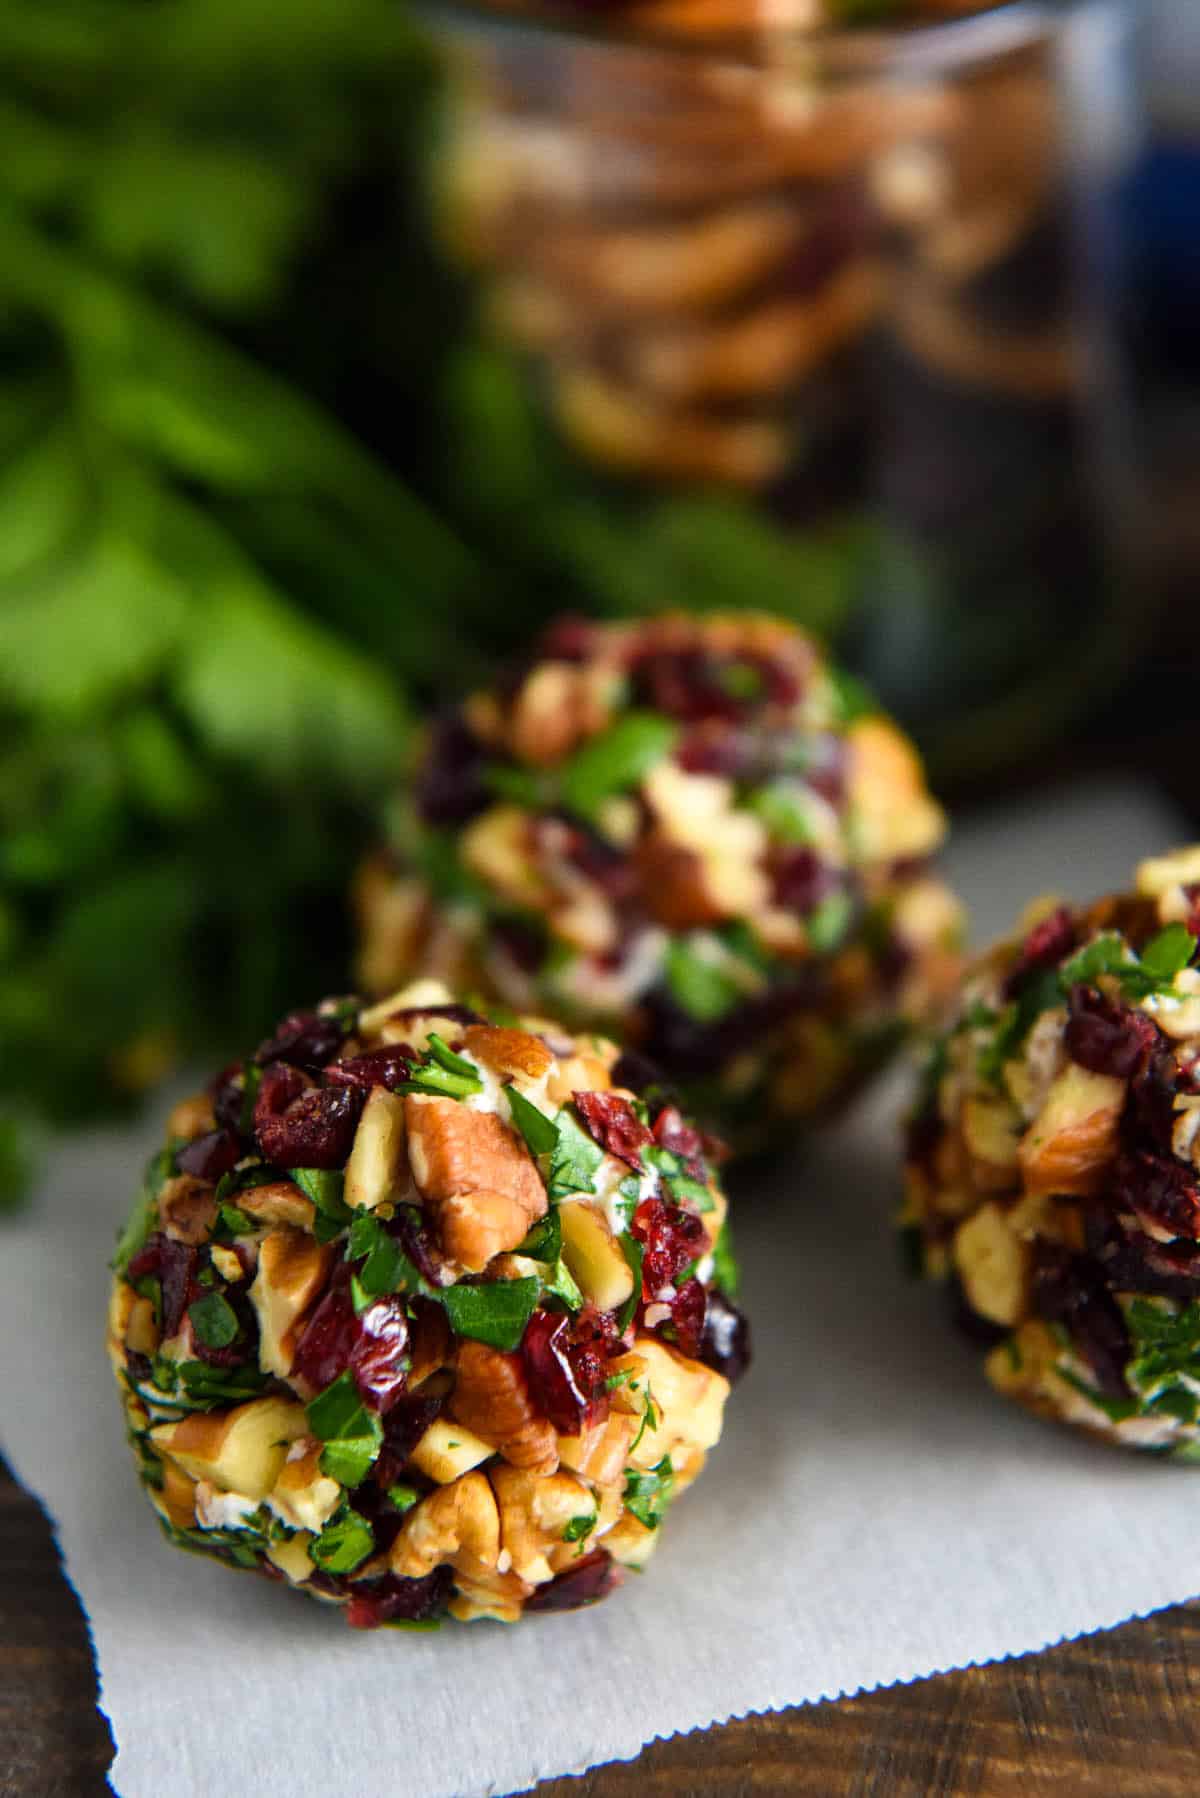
<point x="217" y="603"/>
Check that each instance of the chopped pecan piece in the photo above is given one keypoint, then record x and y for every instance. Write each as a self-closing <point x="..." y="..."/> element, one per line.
<point x="491" y="1397"/>
<point x="508" y="1052"/>
<point x="476" y="1175"/>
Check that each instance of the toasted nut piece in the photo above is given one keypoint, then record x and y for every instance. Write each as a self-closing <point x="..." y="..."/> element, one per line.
<point x="689" y="1399"/>
<point x="141" y="1332"/>
<point x="993" y="1264"/>
<point x="593" y="1255"/>
<point x="281" y="1202"/>
<point x="630" y="1542"/>
<point x="896" y="817"/>
<point x="498" y="848"/>
<point x="302" y="1495"/>
<point x="491" y="1397"/>
<point x="478" y="1226"/>
<point x="477" y="1176"/>
<point x="457" y="1525"/>
<point x="392" y="915"/>
<point x="454" y="1151"/>
<point x="496" y="1595"/>
<point x="535" y="1509"/>
<point x="175" y="1499"/>
<point x="187" y="1208"/>
<point x="508" y="1052"/>
<point x="755" y="353"/>
<point x="578" y="1074"/>
<point x="556" y="706"/>
<point x="600" y="1453"/>
<point x="227" y="1262"/>
<point x="417" y="993"/>
<point x="992" y="1133"/>
<point x="1161" y="873"/>
<point x="191" y="1117"/>
<point x="1177" y="1013"/>
<point x="1074" y="1134"/>
<point x="292" y="1269"/>
<point x="448" y="1450"/>
<point x="241" y="1450"/>
<point x="292" y="1557"/>
<point x="675" y="883"/>
<point x="616" y="426"/>
<point x="377" y="1156"/>
<point x="431" y="1347"/>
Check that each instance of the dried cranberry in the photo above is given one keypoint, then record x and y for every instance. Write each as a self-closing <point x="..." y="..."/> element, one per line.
<point x="725" y="1345"/>
<point x="1107" y="1038"/>
<point x="379" y="1358"/>
<point x="1044" y="947"/>
<point x="228" y="1092"/>
<point x="303" y="1038"/>
<point x="718" y="748"/>
<point x="673" y="1132"/>
<point x="670" y="1238"/>
<point x="568" y="639"/>
<point x="1134" y="1262"/>
<point x="828" y="767"/>
<point x="413" y="1238"/>
<point x="392" y="1599"/>
<point x="605" y="867"/>
<point x="566" y="1378"/>
<point x="801" y="879"/>
<point x="328" y="1338"/>
<point x="406" y="1423"/>
<point x="592" y="1577"/>
<point x="1152" y="1111"/>
<point x="637" y="1073"/>
<point x="388" y="1066"/>
<point x="688" y="1309"/>
<point x="208" y="1157"/>
<point x="1069" y="1289"/>
<point x="176" y="1264"/>
<point x="450" y="787"/>
<point x="301" y="1125"/>
<point x="615" y="1125"/>
<point x="523" y="940"/>
<point x="1160" y="1191"/>
<point x="674" y="1038"/>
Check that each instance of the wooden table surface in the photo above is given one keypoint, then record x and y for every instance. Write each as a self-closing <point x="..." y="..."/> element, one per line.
<point x="1114" y="1714"/>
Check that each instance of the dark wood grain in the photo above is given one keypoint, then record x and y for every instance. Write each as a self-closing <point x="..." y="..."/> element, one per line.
<point x="1113" y="1714"/>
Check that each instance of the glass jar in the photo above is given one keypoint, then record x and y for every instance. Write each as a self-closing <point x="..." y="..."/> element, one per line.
<point x="795" y="313"/>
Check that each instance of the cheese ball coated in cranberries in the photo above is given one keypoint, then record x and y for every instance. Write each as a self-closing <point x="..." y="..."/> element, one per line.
<point x="424" y="1314"/>
<point x="689" y="831"/>
<point x="1054" y="1161"/>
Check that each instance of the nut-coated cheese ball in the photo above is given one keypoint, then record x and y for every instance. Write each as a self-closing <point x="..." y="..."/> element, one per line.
<point x="425" y="1315"/>
<point x="689" y="831"/>
<point x="1053" y="1161"/>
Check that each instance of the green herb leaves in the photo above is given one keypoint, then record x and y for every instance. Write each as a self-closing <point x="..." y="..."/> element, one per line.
<point x="214" y="1321"/>
<point x="496" y="1314"/>
<point x="443" y="1072"/>
<point x="540" y="1132"/>
<point x="352" y="1435"/>
<point x="615" y="760"/>
<point x="647" y="1494"/>
<point x="1108" y="954"/>
<point x="324" y="1187"/>
<point x="344" y="1543"/>
<point x="573" y="1159"/>
<point x="698" y="986"/>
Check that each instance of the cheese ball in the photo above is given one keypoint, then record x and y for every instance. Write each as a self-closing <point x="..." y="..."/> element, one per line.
<point x="691" y="832"/>
<point x="424" y="1315"/>
<point x="1053" y="1172"/>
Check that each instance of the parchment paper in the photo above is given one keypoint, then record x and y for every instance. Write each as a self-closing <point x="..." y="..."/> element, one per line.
<point x="873" y="1513"/>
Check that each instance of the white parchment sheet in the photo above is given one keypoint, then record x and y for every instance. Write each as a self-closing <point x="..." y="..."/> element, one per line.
<point x="873" y="1513"/>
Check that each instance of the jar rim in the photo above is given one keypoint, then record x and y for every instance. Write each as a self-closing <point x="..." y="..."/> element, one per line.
<point x="903" y="49"/>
